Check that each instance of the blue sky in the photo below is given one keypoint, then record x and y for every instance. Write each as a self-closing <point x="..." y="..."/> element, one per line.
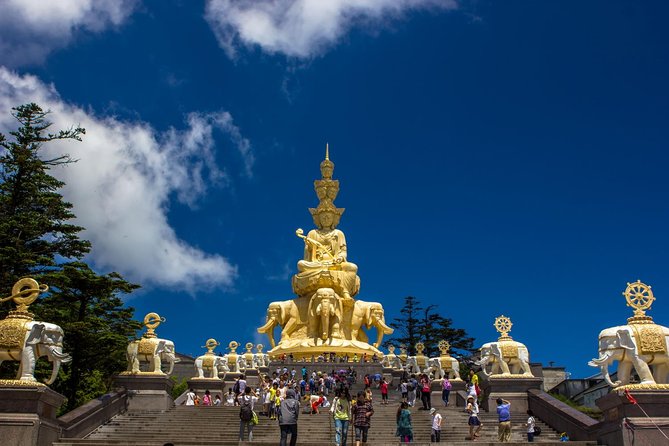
<point x="494" y="157"/>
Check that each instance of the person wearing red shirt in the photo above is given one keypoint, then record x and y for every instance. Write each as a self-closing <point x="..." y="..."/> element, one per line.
<point x="384" y="391"/>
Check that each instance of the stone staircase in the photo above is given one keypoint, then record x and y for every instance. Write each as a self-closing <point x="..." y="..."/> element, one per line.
<point x="219" y="426"/>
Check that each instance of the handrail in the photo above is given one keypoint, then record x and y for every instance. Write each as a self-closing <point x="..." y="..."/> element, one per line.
<point x="561" y="416"/>
<point x="85" y="419"/>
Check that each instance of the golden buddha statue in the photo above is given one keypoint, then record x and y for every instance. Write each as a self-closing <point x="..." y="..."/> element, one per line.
<point x="325" y="317"/>
<point x="325" y="261"/>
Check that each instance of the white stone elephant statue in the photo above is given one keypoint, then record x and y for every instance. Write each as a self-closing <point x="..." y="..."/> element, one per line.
<point x="241" y="363"/>
<point x="210" y="363"/>
<point x="260" y="360"/>
<point x="411" y="365"/>
<point x="392" y="361"/>
<point x="505" y="357"/>
<point x="26" y="341"/>
<point x="154" y="351"/>
<point x="643" y="347"/>
<point x="368" y="315"/>
<point x="450" y="367"/>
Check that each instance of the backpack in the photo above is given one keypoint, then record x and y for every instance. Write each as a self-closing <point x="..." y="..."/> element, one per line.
<point x="245" y="411"/>
<point x="537" y="430"/>
<point x="235" y="388"/>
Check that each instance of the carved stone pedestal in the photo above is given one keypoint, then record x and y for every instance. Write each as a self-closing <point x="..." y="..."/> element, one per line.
<point x="147" y="392"/>
<point x="28" y="415"/>
<point x="252" y="377"/>
<point x="624" y="422"/>
<point x="214" y="386"/>
<point x="514" y="390"/>
<point x="437" y="391"/>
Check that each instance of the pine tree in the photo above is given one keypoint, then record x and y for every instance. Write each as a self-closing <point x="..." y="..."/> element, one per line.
<point x="423" y="324"/>
<point x="36" y="239"/>
<point x="407" y="327"/>
<point x="96" y="324"/>
<point x="34" y="228"/>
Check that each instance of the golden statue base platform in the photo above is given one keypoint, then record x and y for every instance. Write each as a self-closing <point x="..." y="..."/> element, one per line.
<point x="305" y="348"/>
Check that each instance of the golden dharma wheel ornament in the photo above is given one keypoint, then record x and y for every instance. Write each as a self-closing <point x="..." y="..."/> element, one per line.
<point x="233" y="346"/>
<point x="639" y="296"/>
<point x="259" y="348"/>
<point x="151" y="322"/>
<point x="503" y="325"/>
<point x="24" y="292"/>
<point x="419" y="348"/>
<point x="444" y="347"/>
<point x="391" y="349"/>
<point x="249" y="347"/>
<point x="210" y="345"/>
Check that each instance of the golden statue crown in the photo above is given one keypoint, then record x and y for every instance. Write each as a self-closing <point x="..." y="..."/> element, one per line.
<point x="327" y="164"/>
<point x="326" y="202"/>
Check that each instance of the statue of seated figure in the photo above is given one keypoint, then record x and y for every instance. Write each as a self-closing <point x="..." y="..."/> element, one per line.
<point x="325" y="264"/>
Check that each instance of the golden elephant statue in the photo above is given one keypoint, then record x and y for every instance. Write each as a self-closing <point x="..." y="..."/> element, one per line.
<point x="285" y="314"/>
<point x="368" y="314"/>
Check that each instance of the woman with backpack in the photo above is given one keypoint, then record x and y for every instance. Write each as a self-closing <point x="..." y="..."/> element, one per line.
<point x="246" y="414"/>
<point x="206" y="400"/>
<point x="425" y="392"/>
<point x="404" y="428"/>
<point x="445" y="390"/>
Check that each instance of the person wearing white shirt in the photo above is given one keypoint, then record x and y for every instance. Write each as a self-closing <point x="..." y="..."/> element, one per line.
<point x="531" y="423"/>
<point x="190" y="398"/>
<point x="436" y="425"/>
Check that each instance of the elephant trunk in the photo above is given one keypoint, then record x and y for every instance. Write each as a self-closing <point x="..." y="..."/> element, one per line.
<point x="483" y="362"/>
<point x="603" y="363"/>
<point x="268" y="326"/>
<point x="56" y="352"/>
<point x="381" y="324"/>
<point x="325" y="324"/>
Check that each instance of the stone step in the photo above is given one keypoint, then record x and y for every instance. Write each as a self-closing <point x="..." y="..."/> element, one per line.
<point x="78" y="442"/>
<point x="219" y="426"/>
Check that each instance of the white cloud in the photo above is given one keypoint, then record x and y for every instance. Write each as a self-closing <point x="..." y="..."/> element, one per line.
<point x="301" y="28"/>
<point x="121" y="185"/>
<point x="31" y="29"/>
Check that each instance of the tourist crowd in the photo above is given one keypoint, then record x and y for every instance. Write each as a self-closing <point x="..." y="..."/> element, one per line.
<point x="278" y="398"/>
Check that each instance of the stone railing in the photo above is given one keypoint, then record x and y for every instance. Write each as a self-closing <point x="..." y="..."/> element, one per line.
<point x="561" y="416"/>
<point x="84" y="419"/>
<point x="181" y="399"/>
